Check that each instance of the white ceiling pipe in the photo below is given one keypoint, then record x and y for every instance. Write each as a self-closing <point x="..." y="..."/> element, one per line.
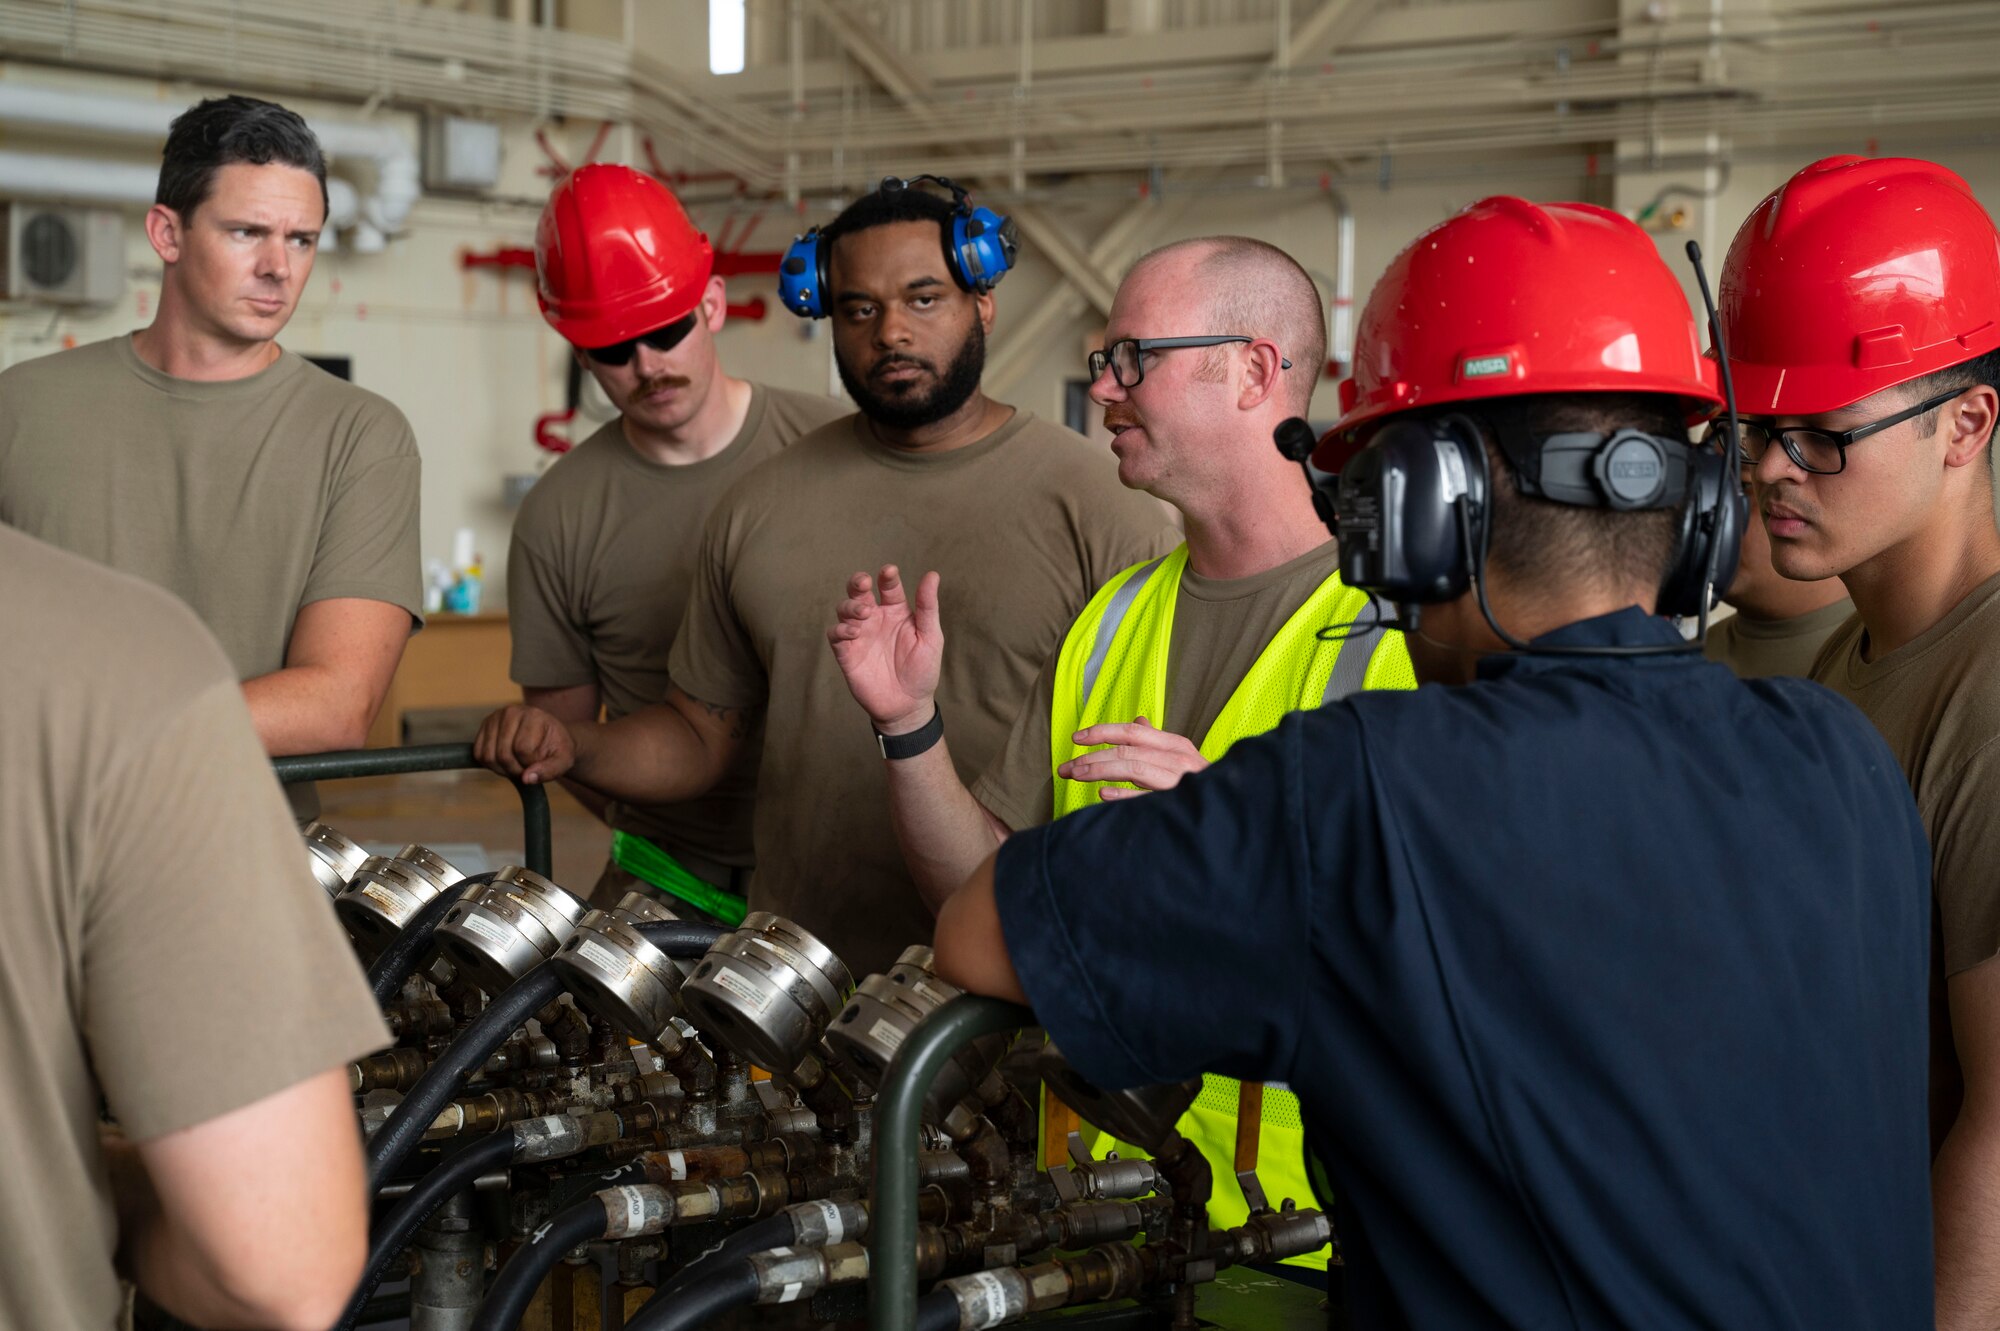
<point x="92" y="180"/>
<point x="383" y="212"/>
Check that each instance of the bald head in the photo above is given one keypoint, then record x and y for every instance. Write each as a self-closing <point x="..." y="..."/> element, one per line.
<point x="1249" y="287"/>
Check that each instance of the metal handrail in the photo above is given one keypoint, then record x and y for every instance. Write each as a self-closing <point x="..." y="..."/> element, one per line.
<point x="899" y="1104"/>
<point x="344" y="764"/>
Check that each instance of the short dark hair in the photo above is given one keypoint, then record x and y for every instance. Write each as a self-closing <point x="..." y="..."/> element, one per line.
<point x="914" y="203"/>
<point x="1540" y="541"/>
<point x="1966" y="374"/>
<point x="222" y="131"/>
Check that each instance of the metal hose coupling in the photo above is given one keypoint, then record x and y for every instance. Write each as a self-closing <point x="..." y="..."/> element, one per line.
<point x="821" y="1224"/>
<point x="550" y="1137"/>
<point x="1272" y="1236"/>
<point x="785" y="1275"/>
<point x="636" y="1210"/>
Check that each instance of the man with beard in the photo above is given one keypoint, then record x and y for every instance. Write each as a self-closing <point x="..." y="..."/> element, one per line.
<point x="1177" y="659"/>
<point x="603" y="555"/>
<point x="1023" y="519"/>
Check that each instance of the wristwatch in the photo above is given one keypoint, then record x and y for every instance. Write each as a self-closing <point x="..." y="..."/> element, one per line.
<point x="917" y="741"/>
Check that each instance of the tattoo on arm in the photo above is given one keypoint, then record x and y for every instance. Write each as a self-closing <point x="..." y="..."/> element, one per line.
<point x="736" y="718"/>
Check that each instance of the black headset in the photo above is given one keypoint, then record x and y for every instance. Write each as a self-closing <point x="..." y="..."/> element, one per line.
<point x="1413" y="510"/>
<point x="980" y="252"/>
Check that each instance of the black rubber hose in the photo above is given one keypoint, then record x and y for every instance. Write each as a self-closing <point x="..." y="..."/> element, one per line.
<point x="450" y="1178"/>
<point x="393" y="967"/>
<point x="723" y="1289"/>
<point x="937" y="1311"/>
<point x="681" y="938"/>
<point x="514" y="1288"/>
<point x="466" y="1055"/>
<point x="773" y="1231"/>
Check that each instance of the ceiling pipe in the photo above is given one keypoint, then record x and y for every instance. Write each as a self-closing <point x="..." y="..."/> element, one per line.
<point x="1340" y="346"/>
<point x="373" y="218"/>
<point x="87" y="180"/>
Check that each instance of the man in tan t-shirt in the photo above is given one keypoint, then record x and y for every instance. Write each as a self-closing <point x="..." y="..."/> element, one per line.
<point x="275" y="499"/>
<point x="1024" y="518"/>
<point x="1192" y="426"/>
<point x="167" y="953"/>
<point x="1860" y="306"/>
<point x="1780" y="624"/>
<point x="603" y="552"/>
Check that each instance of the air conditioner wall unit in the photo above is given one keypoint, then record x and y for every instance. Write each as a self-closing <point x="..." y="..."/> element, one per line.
<point x="62" y="256"/>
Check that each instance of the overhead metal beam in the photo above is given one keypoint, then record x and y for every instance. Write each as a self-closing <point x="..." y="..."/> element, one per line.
<point x="1333" y="23"/>
<point x="914" y="90"/>
<point x="1081" y="268"/>
<point x="1024" y="341"/>
<point x="886" y="65"/>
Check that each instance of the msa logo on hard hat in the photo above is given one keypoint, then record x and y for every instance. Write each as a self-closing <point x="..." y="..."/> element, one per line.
<point x="1485" y="367"/>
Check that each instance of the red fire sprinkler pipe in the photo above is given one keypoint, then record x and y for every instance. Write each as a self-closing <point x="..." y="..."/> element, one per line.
<point x="546" y="434"/>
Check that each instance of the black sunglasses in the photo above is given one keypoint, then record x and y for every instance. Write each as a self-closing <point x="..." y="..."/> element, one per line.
<point x="1125" y="355"/>
<point x="1822" y="452"/>
<point x="660" y="339"/>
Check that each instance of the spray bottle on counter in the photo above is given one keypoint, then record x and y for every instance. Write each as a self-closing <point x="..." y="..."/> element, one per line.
<point x="463" y="598"/>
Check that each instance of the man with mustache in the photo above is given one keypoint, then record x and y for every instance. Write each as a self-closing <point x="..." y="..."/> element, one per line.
<point x="1024" y="518"/>
<point x="602" y="559"/>
<point x="278" y="501"/>
<point x="1862" y="306"/>
<point x="1175" y="659"/>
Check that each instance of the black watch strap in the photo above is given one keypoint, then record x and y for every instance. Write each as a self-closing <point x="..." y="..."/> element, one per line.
<point x="924" y="737"/>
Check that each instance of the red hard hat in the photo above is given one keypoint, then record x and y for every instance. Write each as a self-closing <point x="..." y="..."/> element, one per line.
<point x="1511" y="297"/>
<point x="1854" y="275"/>
<point x="615" y="257"/>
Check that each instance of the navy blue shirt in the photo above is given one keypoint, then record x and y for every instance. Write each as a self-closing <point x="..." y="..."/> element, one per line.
<point x="1601" y="982"/>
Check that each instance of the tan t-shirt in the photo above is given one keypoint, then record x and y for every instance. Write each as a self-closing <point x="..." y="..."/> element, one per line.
<point x="247" y="499"/>
<point x="1023" y="525"/>
<point x="1756" y="648"/>
<point x="1221" y="627"/>
<point x="598" y="575"/>
<point x="165" y="944"/>
<point x="1937" y="702"/>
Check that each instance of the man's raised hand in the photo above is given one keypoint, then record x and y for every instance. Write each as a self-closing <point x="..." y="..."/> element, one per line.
<point x="890" y="647"/>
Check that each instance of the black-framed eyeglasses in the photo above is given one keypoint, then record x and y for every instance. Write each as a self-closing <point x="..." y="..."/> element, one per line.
<point x="660" y="339"/>
<point x="1125" y="356"/>
<point x="1822" y="452"/>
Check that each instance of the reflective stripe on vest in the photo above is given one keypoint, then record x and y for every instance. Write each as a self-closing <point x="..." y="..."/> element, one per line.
<point x="1113" y="668"/>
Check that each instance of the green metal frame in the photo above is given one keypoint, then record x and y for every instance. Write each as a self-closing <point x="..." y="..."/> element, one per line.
<point x="349" y="763"/>
<point x="899" y="1105"/>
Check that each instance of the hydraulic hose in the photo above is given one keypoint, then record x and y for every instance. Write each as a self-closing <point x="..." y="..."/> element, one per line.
<point x="723" y="1288"/>
<point x="466" y="1055"/>
<point x="937" y="1311"/>
<point x="514" y="1288"/>
<point x="393" y="967"/>
<point x="508" y="1011"/>
<point x="682" y="938"/>
<point x="432" y="1191"/>
<point x="774" y="1231"/>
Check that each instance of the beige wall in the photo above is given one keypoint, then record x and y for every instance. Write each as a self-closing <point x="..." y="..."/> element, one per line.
<point x="468" y="359"/>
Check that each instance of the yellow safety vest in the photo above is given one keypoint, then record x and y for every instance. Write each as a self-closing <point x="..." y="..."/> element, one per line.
<point x="1114" y="668"/>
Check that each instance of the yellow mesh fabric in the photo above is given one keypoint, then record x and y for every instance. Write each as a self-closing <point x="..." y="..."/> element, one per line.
<point x="1292" y="674"/>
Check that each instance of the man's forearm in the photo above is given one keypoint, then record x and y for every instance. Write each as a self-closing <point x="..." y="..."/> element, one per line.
<point x="1965" y="1202"/>
<point x="943" y="830"/>
<point x="308" y="709"/>
<point x="653" y="756"/>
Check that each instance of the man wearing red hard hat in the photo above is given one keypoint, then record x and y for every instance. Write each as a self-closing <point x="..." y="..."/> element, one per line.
<point x="1861" y="306"/>
<point x="603" y="553"/>
<point x="1602" y="969"/>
